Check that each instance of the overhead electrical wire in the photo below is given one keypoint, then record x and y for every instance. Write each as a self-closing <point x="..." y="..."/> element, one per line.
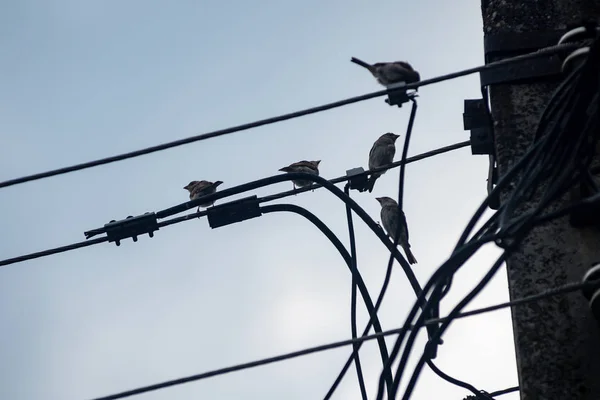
<point x="572" y="287"/>
<point x="264" y="199"/>
<point x="55" y="250"/>
<point x="548" y="293"/>
<point x="505" y="391"/>
<point x="397" y="236"/>
<point x="452" y="380"/>
<point x="357" y="281"/>
<point x="272" y="120"/>
<point x="423" y="359"/>
<point x="354" y="329"/>
<point x="439" y="282"/>
<point x="386" y="282"/>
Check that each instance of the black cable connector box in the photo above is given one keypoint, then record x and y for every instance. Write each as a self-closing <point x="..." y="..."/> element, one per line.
<point x="234" y="211"/>
<point x="131" y="227"/>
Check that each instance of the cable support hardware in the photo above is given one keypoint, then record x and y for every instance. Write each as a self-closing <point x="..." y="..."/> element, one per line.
<point x="233" y="212"/>
<point x="399" y="95"/>
<point x="505" y="46"/>
<point x="131" y="227"/>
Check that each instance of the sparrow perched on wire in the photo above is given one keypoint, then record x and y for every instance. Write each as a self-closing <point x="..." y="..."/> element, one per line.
<point x="381" y="154"/>
<point x="202" y="188"/>
<point x="390" y="217"/>
<point x="388" y="73"/>
<point x="309" y="167"/>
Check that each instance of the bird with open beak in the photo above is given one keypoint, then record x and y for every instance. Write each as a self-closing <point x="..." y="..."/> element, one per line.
<point x="381" y="154"/>
<point x="198" y="189"/>
<point x="309" y="167"/>
<point x="391" y="216"/>
<point x="389" y="73"/>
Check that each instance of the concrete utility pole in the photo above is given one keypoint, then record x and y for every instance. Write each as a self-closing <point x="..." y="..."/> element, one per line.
<point x="557" y="340"/>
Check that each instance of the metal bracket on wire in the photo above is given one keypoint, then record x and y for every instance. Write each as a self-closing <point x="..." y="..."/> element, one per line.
<point x="477" y="120"/>
<point x="593" y="294"/>
<point x="547" y="67"/>
<point x="505" y="45"/>
<point x="477" y="117"/>
<point x="397" y="96"/>
<point x="130" y="227"/>
<point x="358" y="180"/>
<point x="234" y="211"/>
<point x="221" y="215"/>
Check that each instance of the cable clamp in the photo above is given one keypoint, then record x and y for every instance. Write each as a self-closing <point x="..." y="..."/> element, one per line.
<point x="358" y="180"/>
<point x="575" y="58"/>
<point x="397" y="95"/>
<point x="477" y="120"/>
<point x="593" y="294"/>
<point x="130" y="227"/>
<point x="234" y="211"/>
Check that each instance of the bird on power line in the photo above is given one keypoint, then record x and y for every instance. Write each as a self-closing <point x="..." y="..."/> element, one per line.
<point x="381" y="154"/>
<point x="388" y="73"/>
<point x="309" y="167"/>
<point x="391" y="216"/>
<point x="198" y="189"/>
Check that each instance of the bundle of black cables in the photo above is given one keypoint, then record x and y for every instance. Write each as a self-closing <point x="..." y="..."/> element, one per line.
<point x="559" y="158"/>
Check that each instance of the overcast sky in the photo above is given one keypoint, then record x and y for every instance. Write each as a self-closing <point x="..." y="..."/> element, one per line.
<point x="87" y="79"/>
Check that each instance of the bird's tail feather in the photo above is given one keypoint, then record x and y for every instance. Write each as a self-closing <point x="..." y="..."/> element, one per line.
<point x="409" y="255"/>
<point x="361" y="63"/>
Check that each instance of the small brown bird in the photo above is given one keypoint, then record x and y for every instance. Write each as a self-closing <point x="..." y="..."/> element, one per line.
<point x="202" y="188"/>
<point x="309" y="167"/>
<point x="381" y="154"/>
<point x="388" y="73"/>
<point x="390" y="217"/>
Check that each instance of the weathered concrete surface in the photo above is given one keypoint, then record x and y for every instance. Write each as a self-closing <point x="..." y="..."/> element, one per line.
<point x="557" y="341"/>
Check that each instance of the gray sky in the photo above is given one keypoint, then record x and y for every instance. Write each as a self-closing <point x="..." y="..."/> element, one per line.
<point x="87" y="79"/>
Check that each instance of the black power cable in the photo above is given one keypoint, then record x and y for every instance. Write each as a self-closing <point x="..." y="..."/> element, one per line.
<point x="173" y="144"/>
<point x="413" y="380"/>
<point x="569" y="288"/>
<point x="287" y="177"/>
<point x="462" y="252"/>
<point x="396" y="164"/>
<point x="203" y="213"/>
<point x="505" y="391"/>
<point x="357" y="278"/>
<point x="52" y="251"/>
<point x="264" y="199"/>
<point x="403" y="223"/>
<point x="348" y="200"/>
<point x="454" y="381"/>
<point x="547" y="293"/>
<point x="411" y="122"/>
<point x="347" y="258"/>
<point x="386" y="282"/>
<point x="461" y="242"/>
<point x="354" y="267"/>
<point x="313" y="110"/>
<point x="447" y="269"/>
<point x="454" y="262"/>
